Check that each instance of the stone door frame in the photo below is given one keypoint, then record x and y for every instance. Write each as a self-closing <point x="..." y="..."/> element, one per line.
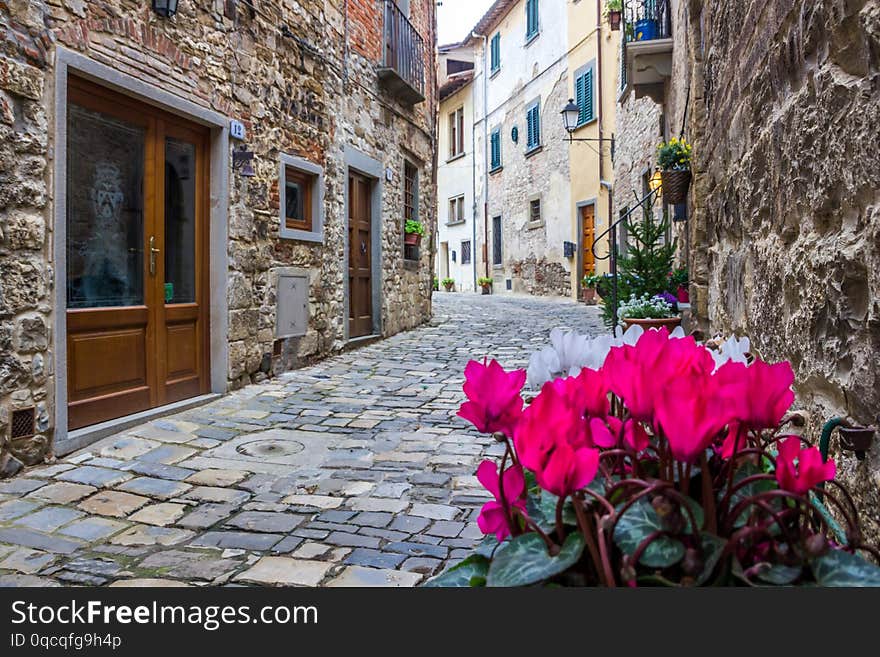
<point x="367" y="166"/>
<point x="579" y="220"/>
<point x="67" y="62"/>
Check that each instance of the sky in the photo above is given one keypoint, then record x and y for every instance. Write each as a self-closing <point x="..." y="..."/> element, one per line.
<point x="456" y="17"/>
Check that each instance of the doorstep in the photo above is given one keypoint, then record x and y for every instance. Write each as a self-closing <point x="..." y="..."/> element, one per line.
<point x="361" y="341"/>
<point x="80" y="438"/>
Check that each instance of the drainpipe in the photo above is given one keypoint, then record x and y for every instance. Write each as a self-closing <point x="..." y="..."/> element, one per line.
<point x="485" y="149"/>
<point x="600" y="85"/>
<point x="473" y="195"/>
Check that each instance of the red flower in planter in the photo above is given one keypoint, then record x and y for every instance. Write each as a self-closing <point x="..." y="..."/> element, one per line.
<point x="799" y="469"/>
<point x="492" y="518"/>
<point x="494" y="397"/>
<point x="760" y="393"/>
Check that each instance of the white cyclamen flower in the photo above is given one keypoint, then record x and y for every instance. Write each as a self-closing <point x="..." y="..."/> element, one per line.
<point x="732" y="349"/>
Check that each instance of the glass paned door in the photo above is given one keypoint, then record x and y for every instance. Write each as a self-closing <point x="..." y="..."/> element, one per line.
<point x="180" y="221"/>
<point x="105" y="210"/>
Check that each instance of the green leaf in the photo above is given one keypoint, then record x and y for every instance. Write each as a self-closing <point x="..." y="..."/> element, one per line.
<point x="697" y="510"/>
<point x="635" y="525"/>
<point x="526" y="561"/>
<point x="488" y="546"/>
<point x="780" y="575"/>
<point x="713" y="547"/>
<point x="747" y="469"/>
<point x="542" y="509"/>
<point x="469" y="572"/>
<point x="839" y="568"/>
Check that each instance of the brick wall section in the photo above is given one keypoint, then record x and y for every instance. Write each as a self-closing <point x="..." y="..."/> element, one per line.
<point x="291" y="94"/>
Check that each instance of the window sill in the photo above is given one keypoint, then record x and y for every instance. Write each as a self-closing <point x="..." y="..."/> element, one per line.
<point x="585" y="124"/>
<point x="534" y="150"/>
<point x="457" y="222"/>
<point x="530" y="38"/>
<point x="455" y="157"/>
<point x="533" y="225"/>
<point x="496" y="170"/>
<point x="494" y="72"/>
<point x="315" y="236"/>
<point x="411" y="265"/>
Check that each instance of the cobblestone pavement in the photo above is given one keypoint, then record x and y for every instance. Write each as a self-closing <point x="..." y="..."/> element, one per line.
<point x="352" y="472"/>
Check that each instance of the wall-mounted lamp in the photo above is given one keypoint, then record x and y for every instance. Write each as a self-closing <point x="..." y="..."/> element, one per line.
<point x="570" y="115"/>
<point x="242" y="161"/>
<point x="165" y="8"/>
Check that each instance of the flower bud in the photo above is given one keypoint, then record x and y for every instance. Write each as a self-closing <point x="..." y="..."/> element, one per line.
<point x="500" y="437"/>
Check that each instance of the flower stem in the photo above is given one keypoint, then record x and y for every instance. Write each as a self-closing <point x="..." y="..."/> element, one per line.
<point x="583" y="523"/>
<point x="708" y="497"/>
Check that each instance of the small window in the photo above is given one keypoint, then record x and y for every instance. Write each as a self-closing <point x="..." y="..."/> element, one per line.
<point x="533" y="126"/>
<point x="300" y="199"/>
<point x="535" y="210"/>
<point x="466" y="252"/>
<point x="531" y="19"/>
<point x="410" y="192"/>
<point x="495" y="149"/>
<point x="495" y="52"/>
<point x="456" y="210"/>
<point x="456" y="132"/>
<point x="496" y="241"/>
<point x="583" y="91"/>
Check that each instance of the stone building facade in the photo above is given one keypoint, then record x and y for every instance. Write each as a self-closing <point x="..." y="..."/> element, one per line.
<point x="319" y="101"/>
<point x="781" y="103"/>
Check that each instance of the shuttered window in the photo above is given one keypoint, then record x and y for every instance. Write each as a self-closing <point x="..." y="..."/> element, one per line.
<point x="496" y="240"/>
<point x="531" y="18"/>
<point x="495" y="52"/>
<point x="495" y="149"/>
<point x="583" y="90"/>
<point x="533" y="127"/>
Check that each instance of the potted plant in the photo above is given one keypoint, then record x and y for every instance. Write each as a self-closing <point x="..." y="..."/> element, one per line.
<point x="414" y="231"/>
<point x="613" y="9"/>
<point x="674" y="160"/>
<point x="609" y="478"/>
<point x="448" y="283"/>
<point x="678" y="284"/>
<point x="589" y="283"/>
<point x="650" y="311"/>
<point x="485" y="283"/>
<point x="436" y="285"/>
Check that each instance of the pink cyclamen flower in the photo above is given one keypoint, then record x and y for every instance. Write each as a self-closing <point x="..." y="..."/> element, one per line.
<point x="691" y="417"/>
<point x="492" y="518"/>
<point x="761" y="393"/>
<point x="799" y="469"/>
<point x="494" y="397"/>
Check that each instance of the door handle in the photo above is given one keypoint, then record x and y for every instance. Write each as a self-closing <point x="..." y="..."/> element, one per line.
<point x="363" y="247"/>
<point x="153" y="252"/>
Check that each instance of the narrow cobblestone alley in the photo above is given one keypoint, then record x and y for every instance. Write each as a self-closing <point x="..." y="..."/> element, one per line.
<point x="354" y="471"/>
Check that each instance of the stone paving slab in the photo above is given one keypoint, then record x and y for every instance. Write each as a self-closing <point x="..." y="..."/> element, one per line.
<point x="355" y="471"/>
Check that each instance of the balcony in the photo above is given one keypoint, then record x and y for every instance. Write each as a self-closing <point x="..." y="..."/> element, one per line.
<point x="402" y="70"/>
<point x="646" y="60"/>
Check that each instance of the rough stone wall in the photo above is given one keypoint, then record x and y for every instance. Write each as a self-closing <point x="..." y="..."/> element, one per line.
<point x="786" y="103"/>
<point x="286" y="72"/>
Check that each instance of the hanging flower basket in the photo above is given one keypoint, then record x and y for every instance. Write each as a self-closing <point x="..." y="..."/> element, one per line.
<point x="614" y="20"/>
<point x="675" y="185"/>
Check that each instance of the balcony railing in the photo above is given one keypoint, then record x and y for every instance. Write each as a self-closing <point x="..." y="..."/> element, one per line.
<point x="647" y="20"/>
<point x="403" y="56"/>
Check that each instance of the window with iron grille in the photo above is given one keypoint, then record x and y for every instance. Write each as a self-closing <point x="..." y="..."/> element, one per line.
<point x="531" y="19"/>
<point x="410" y="192"/>
<point x="535" y="210"/>
<point x="456" y="132"/>
<point x="496" y="240"/>
<point x="533" y="126"/>
<point x="495" y="148"/>
<point x="495" y="52"/>
<point x="466" y="252"/>
<point x="456" y="210"/>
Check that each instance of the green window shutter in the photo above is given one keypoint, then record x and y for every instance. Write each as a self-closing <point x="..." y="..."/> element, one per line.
<point x="496" y="150"/>
<point x="533" y="120"/>
<point x="588" y="96"/>
<point x="579" y="95"/>
<point x="496" y="52"/>
<point x="531" y="17"/>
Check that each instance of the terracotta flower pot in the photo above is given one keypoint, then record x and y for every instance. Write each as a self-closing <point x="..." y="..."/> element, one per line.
<point x="449" y="287"/>
<point x="669" y="322"/>
<point x="675" y="184"/>
<point x="614" y="20"/>
<point x="487" y="289"/>
<point x="412" y="239"/>
<point x="589" y="295"/>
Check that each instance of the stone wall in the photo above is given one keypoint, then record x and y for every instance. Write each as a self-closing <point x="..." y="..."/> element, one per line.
<point x="783" y="111"/>
<point x="301" y="77"/>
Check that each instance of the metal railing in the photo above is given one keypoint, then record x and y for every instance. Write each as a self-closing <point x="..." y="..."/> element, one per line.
<point x="613" y="252"/>
<point x="647" y="20"/>
<point x="404" y="48"/>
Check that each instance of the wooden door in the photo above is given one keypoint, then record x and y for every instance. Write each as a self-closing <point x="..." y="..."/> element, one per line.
<point x="588" y="238"/>
<point x="360" y="261"/>
<point x="137" y="230"/>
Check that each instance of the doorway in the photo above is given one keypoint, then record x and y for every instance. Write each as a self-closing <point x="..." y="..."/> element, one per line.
<point x="137" y="296"/>
<point x="588" y="238"/>
<point x="360" y="255"/>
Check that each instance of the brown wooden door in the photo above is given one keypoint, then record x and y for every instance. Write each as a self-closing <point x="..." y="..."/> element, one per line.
<point x="588" y="223"/>
<point x="137" y="294"/>
<point x="360" y="261"/>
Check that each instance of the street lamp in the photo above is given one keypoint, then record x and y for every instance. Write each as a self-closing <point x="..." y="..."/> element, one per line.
<point x="165" y="8"/>
<point x="570" y="114"/>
